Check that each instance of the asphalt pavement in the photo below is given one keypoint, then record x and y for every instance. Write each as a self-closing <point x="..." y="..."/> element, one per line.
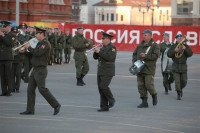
<point x="79" y="104"/>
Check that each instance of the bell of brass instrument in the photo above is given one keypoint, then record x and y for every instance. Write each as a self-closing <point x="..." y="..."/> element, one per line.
<point x="179" y="46"/>
<point x="22" y="46"/>
<point x="92" y="49"/>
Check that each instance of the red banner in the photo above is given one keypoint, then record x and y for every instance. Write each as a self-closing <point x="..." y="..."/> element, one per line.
<point x="127" y="37"/>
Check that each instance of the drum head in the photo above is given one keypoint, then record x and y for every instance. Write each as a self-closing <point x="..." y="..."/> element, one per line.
<point x="164" y="61"/>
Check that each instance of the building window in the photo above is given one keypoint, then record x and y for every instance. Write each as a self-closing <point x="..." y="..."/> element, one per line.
<point x="112" y="16"/>
<point x="184" y="7"/>
<point x="83" y="1"/>
<point x="107" y="17"/>
<point x="116" y="17"/>
<point x="102" y="17"/>
<point x="56" y="2"/>
<point x="122" y="17"/>
<point x="112" y="1"/>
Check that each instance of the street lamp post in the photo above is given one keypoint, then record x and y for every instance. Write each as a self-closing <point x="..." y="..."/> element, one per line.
<point x="143" y="12"/>
<point x="149" y="7"/>
<point x="98" y="13"/>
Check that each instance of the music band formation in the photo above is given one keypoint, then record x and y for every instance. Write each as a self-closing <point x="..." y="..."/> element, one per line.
<point x="33" y="48"/>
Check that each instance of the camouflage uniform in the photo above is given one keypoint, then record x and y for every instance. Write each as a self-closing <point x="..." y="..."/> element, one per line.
<point x="81" y="61"/>
<point x="67" y="48"/>
<point x="179" y="67"/>
<point x="167" y="77"/>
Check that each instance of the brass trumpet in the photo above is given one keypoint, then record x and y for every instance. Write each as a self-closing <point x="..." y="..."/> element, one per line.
<point x="34" y="40"/>
<point x="92" y="49"/>
<point x="179" y="46"/>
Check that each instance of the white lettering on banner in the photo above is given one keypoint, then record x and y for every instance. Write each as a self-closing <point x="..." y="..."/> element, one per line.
<point x="124" y="35"/>
<point x="90" y="31"/>
<point x="137" y="37"/>
<point x="170" y="35"/>
<point x="158" y="33"/>
<point x="194" y="37"/>
<point x="74" y="32"/>
<point x="114" y="32"/>
<point x="95" y="35"/>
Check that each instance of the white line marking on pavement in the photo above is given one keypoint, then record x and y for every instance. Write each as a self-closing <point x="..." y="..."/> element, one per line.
<point x="86" y="120"/>
<point x="123" y="76"/>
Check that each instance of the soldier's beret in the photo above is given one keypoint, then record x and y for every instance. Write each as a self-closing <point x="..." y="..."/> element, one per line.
<point x="56" y="28"/>
<point x="59" y="28"/>
<point x="50" y="29"/>
<point x="23" y="25"/>
<point x="179" y="35"/>
<point x="67" y="29"/>
<point x="15" y="29"/>
<point x="147" y="31"/>
<point x="106" y="35"/>
<point x="79" y="28"/>
<point x="5" y="23"/>
<point x="165" y="34"/>
<point x="40" y="30"/>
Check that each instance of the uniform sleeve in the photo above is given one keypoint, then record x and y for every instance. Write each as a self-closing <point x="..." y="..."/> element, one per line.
<point x="134" y="57"/>
<point x="108" y="54"/>
<point x="40" y="50"/>
<point x="9" y="39"/>
<point x="171" y="52"/>
<point x="95" y="55"/>
<point x="154" y="54"/>
<point x="78" y="45"/>
<point x="188" y="51"/>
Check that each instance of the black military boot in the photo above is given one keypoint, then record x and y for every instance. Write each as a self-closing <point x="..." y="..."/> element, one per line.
<point x="178" y="95"/>
<point x="166" y="91"/>
<point x="82" y="76"/>
<point x="57" y="61"/>
<point x="170" y="88"/>
<point x="155" y="100"/>
<point x="144" y="103"/>
<point x="79" y="82"/>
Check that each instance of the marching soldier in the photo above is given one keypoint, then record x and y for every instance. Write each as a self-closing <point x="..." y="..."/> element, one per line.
<point x="27" y="55"/>
<point x="38" y="76"/>
<point x="148" y="51"/>
<point x="167" y="76"/>
<point x="68" y="45"/>
<point x="51" y="39"/>
<point x="106" y="70"/>
<point x="59" y="40"/>
<point x="179" y="66"/>
<point x="18" y="60"/>
<point x="6" y="58"/>
<point x="81" y="62"/>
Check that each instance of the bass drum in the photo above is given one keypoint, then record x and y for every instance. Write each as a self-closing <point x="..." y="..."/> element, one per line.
<point x="166" y="64"/>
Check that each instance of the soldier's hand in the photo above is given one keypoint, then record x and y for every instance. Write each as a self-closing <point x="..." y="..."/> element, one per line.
<point x="96" y="50"/>
<point x="183" y="47"/>
<point x="21" y="51"/>
<point x="142" y="55"/>
<point x="87" y="44"/>
<point x="1" y="34"/>
<point x="176" y="50"/>
<point x="27" y="45"/>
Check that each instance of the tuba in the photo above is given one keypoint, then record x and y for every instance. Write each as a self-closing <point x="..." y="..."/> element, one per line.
<point x="179" y="46"/>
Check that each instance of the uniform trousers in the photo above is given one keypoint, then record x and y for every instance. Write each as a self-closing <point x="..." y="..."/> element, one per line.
<point x="37" y="79"/>
<point x="16" y="75"/>
<point x="106" y="95"/>
<point x="6" y="78"/>
<point x="167" y="79"/>
<point x="146" y="83"/>
<point x="67" y="52"/>
<point x="180" y="80"/>
<point x="82" y="67"/>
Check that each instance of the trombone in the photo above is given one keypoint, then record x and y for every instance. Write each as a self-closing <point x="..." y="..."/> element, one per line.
<point x="92" y="49"/>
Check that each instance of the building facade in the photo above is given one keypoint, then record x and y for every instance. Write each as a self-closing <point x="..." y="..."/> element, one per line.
<point x="186" y="12"/>
<point x="37" y="10"/>
<point x="127" y="12"/>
